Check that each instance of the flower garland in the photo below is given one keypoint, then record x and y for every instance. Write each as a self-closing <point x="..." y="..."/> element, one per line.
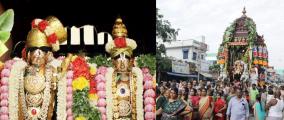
<point x="139" y="92"/>
<point x="81" y="107"/>
<point x="69" y="94"/>
<point x="109" y="112"/>
<point x="62" y="90"/>
<point x="43" y="26"/>
<point x="101" y="80"/>
<point x="4" y="113"/>
<point x="149" y="108"/>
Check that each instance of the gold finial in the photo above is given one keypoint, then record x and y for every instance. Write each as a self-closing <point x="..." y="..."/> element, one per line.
<point x="244" y="12"/>
<point x="119" y="29"/>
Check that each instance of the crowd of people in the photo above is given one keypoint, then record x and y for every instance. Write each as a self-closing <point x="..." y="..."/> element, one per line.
<point x="205" y="100"/>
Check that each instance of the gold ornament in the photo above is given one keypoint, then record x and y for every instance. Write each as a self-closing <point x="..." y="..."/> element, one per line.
<point x="119" y="29"/>
<point x="58" y="28"/>
<point x="36" y="38"/>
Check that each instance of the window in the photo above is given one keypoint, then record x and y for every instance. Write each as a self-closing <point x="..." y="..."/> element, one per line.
<point x="194" y="55"/>
<point x="202" y="57"/>
<point x="185" y="53"/>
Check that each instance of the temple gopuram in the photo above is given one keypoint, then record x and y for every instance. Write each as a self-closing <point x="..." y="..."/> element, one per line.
<point x="243" y="55"/>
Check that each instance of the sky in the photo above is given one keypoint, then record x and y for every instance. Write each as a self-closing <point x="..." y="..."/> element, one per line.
<point x="210" y="18"/>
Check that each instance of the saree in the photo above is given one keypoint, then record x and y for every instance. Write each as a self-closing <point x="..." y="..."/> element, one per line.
<point x="188" y="108"/>
<point x="259" y="111"/>
<point x="219" y="104"/>
<point x="195" y="104"/>
<point x="172" y="109"/>
<point x="205" y="108"/>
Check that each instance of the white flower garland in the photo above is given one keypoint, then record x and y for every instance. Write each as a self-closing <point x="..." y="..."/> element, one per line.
<point x="61" y="99"/>
<point x="17" y="71"/>
<point x="109" y="112"/>
<point x="139" y="93"/>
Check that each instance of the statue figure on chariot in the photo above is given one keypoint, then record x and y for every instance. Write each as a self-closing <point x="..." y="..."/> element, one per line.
<point x="243" y="52"/>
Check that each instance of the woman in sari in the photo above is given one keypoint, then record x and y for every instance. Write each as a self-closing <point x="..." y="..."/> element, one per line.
<point x="206" y="106"/>
<point x="259" y="110"/>
<point x="188" y="107"/>
<point x="160" y="100"/>
<point x="220" y="107"/>
<point x="174" y="108"/>
<point x="193" y="99"/>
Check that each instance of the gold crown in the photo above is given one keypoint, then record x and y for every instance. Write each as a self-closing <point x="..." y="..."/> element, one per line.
<point x="119" y="29"/>
<point x="37" y="38"/>
<point x="58" y="28"/>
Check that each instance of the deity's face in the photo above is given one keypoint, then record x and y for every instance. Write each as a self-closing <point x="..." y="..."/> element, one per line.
<point x="122" y="63"/>
<point x="39" y="57"/>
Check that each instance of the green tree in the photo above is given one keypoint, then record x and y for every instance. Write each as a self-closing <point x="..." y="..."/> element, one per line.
<point x="165" y="32"/>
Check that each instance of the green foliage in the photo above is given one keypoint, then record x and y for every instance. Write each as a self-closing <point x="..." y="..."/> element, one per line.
<point x="215" y="68"/>
<point x="100" y="60"/>
<point x="148" y="61"/>
<point x="164" y="29"/>
<point x="81" y="105"/>
<point x="251" y="31"/>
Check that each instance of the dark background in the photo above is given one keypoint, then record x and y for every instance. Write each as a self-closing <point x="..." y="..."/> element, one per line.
<point x="138" y="16"/>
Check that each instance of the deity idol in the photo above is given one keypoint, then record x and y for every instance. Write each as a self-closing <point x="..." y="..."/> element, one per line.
<point x="124" y="83"/>
<point x="33" y="80"/>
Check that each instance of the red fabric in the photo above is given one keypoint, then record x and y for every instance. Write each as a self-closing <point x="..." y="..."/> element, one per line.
<point x="120" y="42"/>
<point x="219" y="104"/>
<point x="195" y="100"/>
<point x="51" y="39"/>
<point x="42" y="25"/>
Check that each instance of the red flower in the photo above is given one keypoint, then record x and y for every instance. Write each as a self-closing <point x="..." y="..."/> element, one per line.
<point x="93" y="90"/>
<point x="120" y="42"/>
<point x="93" y="83"/>
<point x="33" y="24"/>
<point x="80" y="68"/>
<point x="51" y="39"/>
<point x="42" y="25"/>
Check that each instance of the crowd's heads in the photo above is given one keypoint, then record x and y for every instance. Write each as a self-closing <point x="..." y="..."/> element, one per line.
<point x="203" y="92"/>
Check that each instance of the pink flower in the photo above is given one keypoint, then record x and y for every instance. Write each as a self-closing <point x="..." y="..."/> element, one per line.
<point x="102" y="94"/>
<point x="149" y="93"/>
<point x="147" y="77"/>
<point x="69" y="90"/>
<point x="8" y="65"/>
<point x="69" y="82"/>
<point x="102" y="110"/>
<point x="4" y="117"/>
<point x="104" y="117"/>
<point x="149" y="115"/>
<point x="101" y="86"/>
<point x="149" y="100"/>
<point x="70" y="75"/>
<point x="4" y="102"/>
<point x="4" y="96"/>
<point x="102" y="70"/>
<point x="5" y="73"/>
<point x="61" y="58"/>
<point x="149" y="108"/>
<point x="4" y="109"/>
<point x="4" y="81"/>
<point x="100" y="78"/>
<point x="69" y="97"/>
<point x="4" y="89"/>
<point x="69" y="104"/>
<point x="145" y="70"/>
<point x="69" y="112"/>
<point x="70" y="118"/>
<point x="148" y="85"/>
<point x="101" y="102"/>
